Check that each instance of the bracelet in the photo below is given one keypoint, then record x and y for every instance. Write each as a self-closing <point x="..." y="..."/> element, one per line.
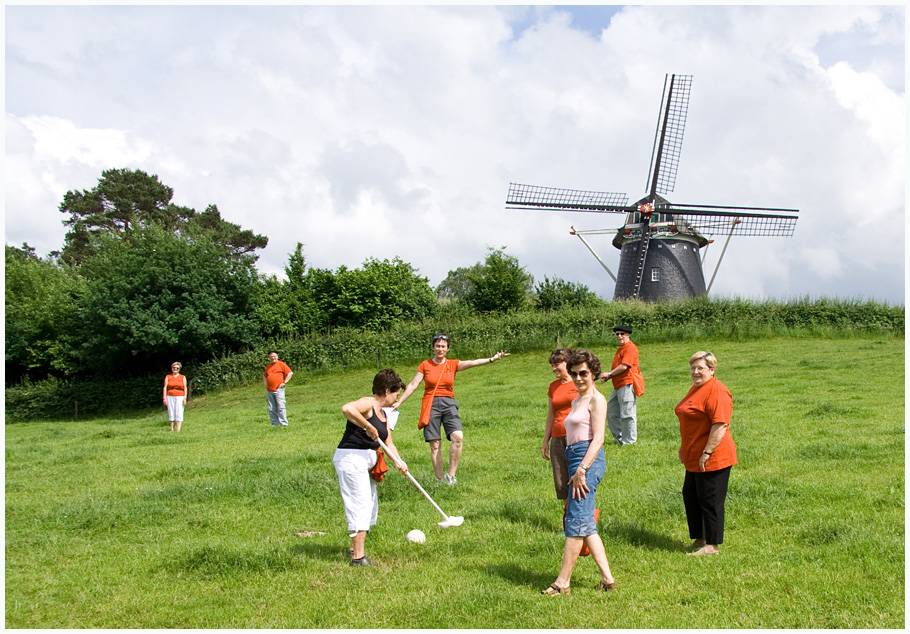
<point x="583" y="468"/>
<point x="708" y="452"/>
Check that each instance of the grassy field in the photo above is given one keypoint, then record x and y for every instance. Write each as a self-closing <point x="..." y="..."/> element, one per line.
<point x="115" y="523"/>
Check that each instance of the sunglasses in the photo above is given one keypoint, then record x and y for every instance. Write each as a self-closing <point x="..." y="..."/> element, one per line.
<point x="443" y="337"/>
<point x="582" y="373"/>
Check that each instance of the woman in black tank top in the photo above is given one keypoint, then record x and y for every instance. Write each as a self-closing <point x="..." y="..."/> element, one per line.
<point x="356" y="455"/>
<point x="355" y="436"/>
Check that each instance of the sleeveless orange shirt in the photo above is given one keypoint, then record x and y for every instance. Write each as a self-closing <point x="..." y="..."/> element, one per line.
<point x="175" y="385"/>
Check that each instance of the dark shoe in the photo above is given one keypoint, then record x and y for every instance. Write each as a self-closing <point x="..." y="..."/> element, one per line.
<point x="350" y="553"/>
<point x="554" y="590"/>
<point x="606" y="587"/>
<point x="363" y="561"/>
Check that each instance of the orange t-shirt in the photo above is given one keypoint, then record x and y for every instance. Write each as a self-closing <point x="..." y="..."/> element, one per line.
<point x="627" y="354"/>
<point x="275" y="374"/>
<point x="561" y="396"/>
<point x="441" y="374"/>
<point x="702" y="407"/>
<point x="175" y="385"/>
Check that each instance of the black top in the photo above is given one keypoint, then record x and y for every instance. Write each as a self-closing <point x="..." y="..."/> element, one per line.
<point x="356" y="437"/>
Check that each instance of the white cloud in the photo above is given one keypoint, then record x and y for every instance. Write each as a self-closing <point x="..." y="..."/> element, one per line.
<point x="384" y="131"/>
<point x="824" y="262"/>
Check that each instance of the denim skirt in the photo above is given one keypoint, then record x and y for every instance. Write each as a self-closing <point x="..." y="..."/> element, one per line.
<point x="580" y="513"/>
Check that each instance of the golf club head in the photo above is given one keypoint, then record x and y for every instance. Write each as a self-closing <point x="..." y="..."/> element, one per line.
<point x="451" y="521"/>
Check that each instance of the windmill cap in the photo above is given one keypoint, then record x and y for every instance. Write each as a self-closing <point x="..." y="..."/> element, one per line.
<point x="622" y="328"/>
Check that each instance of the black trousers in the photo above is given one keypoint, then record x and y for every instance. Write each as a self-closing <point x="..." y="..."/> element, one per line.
<point x="704" y="494"/>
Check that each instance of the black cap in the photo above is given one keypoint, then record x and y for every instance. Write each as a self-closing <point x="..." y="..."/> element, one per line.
<point x="622" y="328"/>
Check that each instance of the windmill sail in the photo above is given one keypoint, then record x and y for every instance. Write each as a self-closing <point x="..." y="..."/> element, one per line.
<point x="668" y="138"/>
<point x="554" y="199"/>
<point x="751" y="221"/>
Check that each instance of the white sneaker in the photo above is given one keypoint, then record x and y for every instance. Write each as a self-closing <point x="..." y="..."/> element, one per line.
<point x="450" y="479"/>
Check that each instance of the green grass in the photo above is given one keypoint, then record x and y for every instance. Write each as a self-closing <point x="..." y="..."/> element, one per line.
<point x="116" y="522"/>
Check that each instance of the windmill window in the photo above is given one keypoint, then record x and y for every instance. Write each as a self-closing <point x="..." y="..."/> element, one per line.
<point x="655" y="274"/>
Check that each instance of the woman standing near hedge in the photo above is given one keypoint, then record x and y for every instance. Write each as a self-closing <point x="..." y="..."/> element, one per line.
<point x="174" y="395"/>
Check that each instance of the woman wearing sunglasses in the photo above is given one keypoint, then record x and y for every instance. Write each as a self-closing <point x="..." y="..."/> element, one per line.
<point x="439" y="410"/>
<point x="585" y="428"/>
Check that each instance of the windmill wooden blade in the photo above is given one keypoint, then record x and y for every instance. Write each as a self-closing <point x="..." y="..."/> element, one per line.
<point x="750" y="221"/>
<point x="555" y="199"/>
<point x="671" y="123"/>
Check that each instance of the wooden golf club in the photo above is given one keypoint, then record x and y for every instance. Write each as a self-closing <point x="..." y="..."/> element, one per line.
<point x="448" y="522"/>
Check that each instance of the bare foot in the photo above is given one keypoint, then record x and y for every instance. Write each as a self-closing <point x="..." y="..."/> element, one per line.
<point x="707" y="549"/>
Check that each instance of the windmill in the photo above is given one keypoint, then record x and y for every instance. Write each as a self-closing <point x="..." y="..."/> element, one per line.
<point x="661" y="243"/>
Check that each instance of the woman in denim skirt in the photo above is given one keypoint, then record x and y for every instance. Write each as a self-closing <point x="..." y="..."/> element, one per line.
<point x="585" y="427"/>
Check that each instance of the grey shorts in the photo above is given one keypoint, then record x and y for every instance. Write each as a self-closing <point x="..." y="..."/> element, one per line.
<point x="444" y="413"/>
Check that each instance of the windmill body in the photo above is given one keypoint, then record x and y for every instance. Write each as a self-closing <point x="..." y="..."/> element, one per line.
<point x="660" y="242"/>
<point x="671" y="269"/>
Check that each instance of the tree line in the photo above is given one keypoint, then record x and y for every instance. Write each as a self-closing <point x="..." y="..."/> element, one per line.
<point x="140" y="281"/>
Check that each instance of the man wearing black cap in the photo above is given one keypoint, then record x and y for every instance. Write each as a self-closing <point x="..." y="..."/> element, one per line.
<point x="621" y="415"/>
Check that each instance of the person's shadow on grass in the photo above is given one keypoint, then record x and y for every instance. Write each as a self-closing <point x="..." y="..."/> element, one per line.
<point x="519" y="575"/>
<point x="639" y="537"/>
<point x="314" y="550"/>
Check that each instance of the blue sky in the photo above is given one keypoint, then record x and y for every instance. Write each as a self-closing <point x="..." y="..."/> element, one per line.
<point x="590" y="18"/>
<point x="372" y="131"/>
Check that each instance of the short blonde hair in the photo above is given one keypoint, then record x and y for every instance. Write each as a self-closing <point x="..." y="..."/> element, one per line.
<point x="710" y="359"/>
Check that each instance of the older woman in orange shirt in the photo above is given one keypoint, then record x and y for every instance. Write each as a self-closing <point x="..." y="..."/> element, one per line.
<point x="174" y="395"/>
<point x="707" y="451"/>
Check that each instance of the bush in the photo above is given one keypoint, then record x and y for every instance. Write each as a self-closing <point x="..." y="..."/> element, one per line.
<point x="55" y="399"/>
<point x="501" y="285"/>
<point x="477" y="335"/>
<point x="558" y="294"/>
<point x="159" y="297"/>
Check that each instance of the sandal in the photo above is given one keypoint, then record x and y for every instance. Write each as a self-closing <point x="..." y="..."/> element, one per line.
<point x="554" y="590"/>
<point x="606" y="587"/>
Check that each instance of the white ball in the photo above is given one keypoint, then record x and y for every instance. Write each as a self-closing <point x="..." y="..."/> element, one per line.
<point x="416" y="536"/>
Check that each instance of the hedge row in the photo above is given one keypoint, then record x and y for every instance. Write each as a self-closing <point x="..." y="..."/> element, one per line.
<point x="55" y="399"/>
<point x="474" y="336"/>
